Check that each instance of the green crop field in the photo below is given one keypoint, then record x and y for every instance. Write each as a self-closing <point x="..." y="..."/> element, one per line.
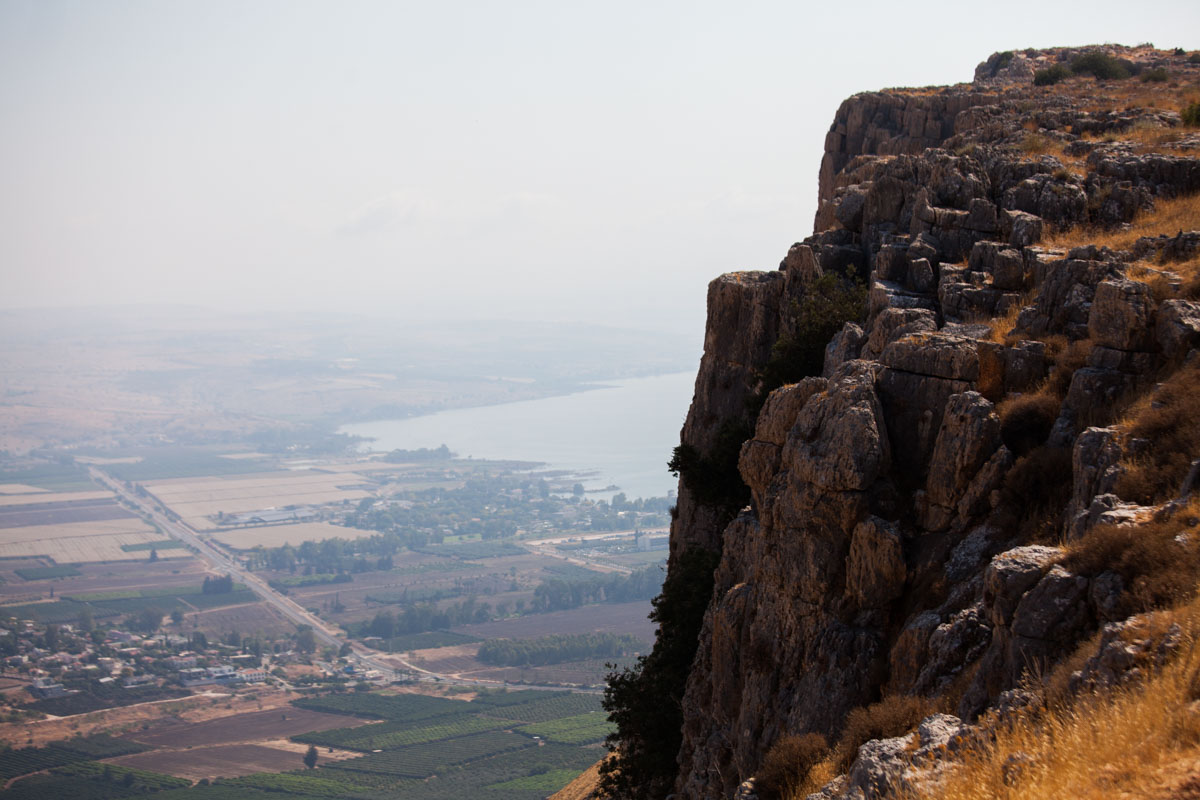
<point x="423" y="760"/>
<point x="34" y="759"/>
<point x="397" y="708"/>
<point x="588" y="728"/>
<point x="564" y="705"/>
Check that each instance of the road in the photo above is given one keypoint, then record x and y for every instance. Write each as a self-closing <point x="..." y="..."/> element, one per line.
<point x="363" y="657"/>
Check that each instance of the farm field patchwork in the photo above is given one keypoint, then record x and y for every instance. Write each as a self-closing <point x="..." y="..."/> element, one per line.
<point x="83" y="542"/>
<point x="439" y="748"/>
<point x="520" y="745"/>
<point x="72" y="528"/>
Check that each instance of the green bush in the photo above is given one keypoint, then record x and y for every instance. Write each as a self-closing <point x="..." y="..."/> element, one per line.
<point x="1191" y="115"/>
<point x="1102" y="65"/>
<point x="1156" y="75"/>
<point x="713" y="479"/>
<point x="828" y="303"/>
<point x="1194" y="58"/>
<point x="1052" y="75"/>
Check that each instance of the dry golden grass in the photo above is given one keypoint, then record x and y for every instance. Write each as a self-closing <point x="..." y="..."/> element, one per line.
<point x="582" y="788"/>
<point x="1119" y="743"/>
<point x="1002" y="327"/>
<point x="1169" y="216"/>
<point x="1170" y="419"/>
<point x="1158" y="561"/>
<point x="1126" y="742"/>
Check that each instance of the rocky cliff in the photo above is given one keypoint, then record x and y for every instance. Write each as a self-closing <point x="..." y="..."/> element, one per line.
<point x="913" y="500"/>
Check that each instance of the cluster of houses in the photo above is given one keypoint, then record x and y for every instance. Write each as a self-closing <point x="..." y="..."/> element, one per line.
<point x="120" y="658"/>
<point x="221" y="674"/>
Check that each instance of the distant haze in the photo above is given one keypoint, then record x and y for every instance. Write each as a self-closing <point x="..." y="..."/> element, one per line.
<point x="582" y="161"/>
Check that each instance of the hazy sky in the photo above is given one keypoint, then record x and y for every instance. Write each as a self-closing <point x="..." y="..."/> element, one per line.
<point x="599" y="161"/>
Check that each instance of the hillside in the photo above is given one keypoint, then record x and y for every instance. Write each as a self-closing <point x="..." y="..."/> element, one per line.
<point x="938" y="464"/>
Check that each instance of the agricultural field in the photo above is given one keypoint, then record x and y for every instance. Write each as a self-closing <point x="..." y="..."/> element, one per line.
<point x="522" y="745"/>
<point x="249" y="619"/>
<point x="248" y="727"/>
<point x="72" y="528"/>
<point x="247" y="538"/>
<point x="201" y="501"/>
<point x="29" y="579"/>
<point x="588" y="728"/>
<point x="631" y="618"/>
<point x="60" y="594"/>
<point x="499" y="745"/>
<point x="227" y="760"/>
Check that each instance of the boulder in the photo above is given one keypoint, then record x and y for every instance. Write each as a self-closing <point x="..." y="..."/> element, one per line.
<point x="1010" y="575"/>
<point x="891" y="324"/>
<point x="839" y="441"/>
<point x="969" y="435"/>
<point x="1121" y="315"/>
<point x="1177" y="327"/>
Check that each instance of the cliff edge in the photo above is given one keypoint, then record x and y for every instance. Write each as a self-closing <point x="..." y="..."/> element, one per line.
<point x="916" y="450"/>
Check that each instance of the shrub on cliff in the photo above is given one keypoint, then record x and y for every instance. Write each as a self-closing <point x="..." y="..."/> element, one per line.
<point x="787" y="764"/>
<point x="1103" y="66"/>
<point x="1157" y="563"/>
<point x="828" y="303"/>
<point x="891" y="716"/>
<point x="1034" y="493"/>
<point x="1052" y="75"/>
<point x="713" y="479"/>
<point x="1172" y="421"/>
<point x="645" y="701"/>
<point x="1191" y="115"/>
<point x="1025" y="421"/>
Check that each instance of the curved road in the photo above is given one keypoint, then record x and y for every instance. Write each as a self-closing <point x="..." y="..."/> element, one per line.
<point x="324" y="633"/>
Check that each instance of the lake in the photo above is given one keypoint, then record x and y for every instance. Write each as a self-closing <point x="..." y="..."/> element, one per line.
<point x="625" y="432"/>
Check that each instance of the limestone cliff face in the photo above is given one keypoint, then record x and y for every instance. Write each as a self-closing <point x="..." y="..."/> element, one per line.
<point x="881" y="553"/>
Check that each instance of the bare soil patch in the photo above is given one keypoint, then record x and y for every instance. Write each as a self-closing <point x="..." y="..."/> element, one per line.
<point x="220" y="761"/>
<point x="59" y="513"/>
<point x="255" y="726"/>
<point x="449" y="660"/>
<point x="252" y="619"/>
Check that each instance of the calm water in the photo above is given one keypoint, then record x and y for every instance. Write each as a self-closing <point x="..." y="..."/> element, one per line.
<point x="625" y="433"/>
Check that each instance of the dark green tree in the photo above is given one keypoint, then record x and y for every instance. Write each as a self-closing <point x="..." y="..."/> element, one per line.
<point x="644" y="701"/>
<point x="310" y="756"/>
<point x="306" y="640"/>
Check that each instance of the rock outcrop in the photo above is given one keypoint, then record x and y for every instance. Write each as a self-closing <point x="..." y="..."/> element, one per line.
<point x="879" y="551"/>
